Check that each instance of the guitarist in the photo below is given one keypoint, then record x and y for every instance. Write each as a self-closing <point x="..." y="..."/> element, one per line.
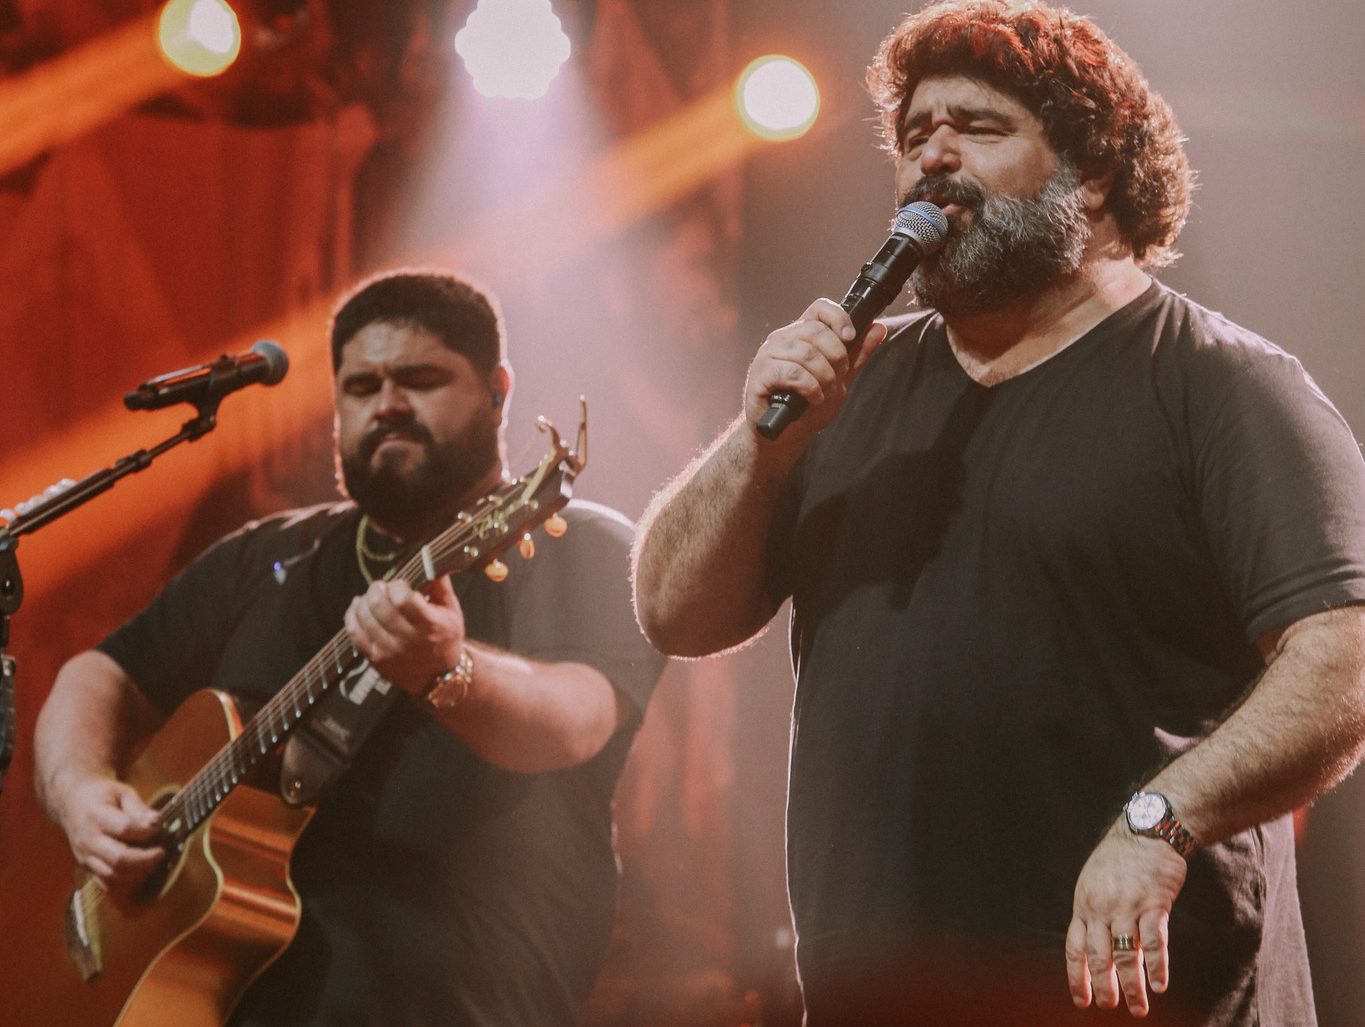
<point x="461" y="869"/>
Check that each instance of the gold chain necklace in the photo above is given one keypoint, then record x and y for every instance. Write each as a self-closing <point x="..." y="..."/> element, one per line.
<point x="364" y="554"/>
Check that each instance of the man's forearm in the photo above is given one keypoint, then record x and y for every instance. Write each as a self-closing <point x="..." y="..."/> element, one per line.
<point x="531" y="717"/>
<point x="86" y="725"/>
<point x="699" y="557"/>
<point x="1298" y="733"/>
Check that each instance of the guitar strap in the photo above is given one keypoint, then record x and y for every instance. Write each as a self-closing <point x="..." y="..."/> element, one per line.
<point x="329" y="737"/>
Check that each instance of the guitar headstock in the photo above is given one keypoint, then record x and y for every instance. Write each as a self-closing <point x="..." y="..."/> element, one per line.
<point x="560" y="464"/>
<point x="507" y="515"/>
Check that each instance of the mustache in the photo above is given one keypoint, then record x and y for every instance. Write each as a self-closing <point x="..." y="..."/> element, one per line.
<point x="944" y="190"/>
<point x="409" y="428"/>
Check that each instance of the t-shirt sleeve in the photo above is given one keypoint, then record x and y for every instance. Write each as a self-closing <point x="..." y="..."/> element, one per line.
<point x="574" y="604"/>
<point x="171" y="647"/>
<point x="1281" y="489"/>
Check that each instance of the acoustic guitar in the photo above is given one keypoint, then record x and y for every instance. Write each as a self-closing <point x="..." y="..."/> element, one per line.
<point x="181" y="952"/>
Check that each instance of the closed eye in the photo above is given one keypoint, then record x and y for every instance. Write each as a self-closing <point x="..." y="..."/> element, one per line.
<point x="413" y="377"/>
<point x="421" y="377"/>
<point x="360" y="384"/>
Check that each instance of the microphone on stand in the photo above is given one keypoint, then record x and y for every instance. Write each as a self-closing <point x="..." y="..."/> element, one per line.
<point x="920" y="229"/>
<point x="206" y="384"/>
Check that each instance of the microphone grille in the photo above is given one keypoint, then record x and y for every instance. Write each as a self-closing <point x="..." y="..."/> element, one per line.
<point x="276" y="360"/>
<point x="923" y="222"/>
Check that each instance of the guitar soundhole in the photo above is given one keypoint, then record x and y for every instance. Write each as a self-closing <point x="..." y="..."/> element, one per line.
<point x="160" y="880"/>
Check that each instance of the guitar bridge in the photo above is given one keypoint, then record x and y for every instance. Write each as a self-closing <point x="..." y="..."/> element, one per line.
<point x="82" y="945"/>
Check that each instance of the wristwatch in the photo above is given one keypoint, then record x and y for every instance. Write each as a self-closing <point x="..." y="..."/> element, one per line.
<point x="1150" y="814"/>
<point x="449" y="689"/>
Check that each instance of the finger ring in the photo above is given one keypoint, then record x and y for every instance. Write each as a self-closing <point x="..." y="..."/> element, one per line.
<point x="1124" y="943"/>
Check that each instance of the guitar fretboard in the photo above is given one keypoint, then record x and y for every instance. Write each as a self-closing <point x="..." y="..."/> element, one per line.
<point x="474" y="539"/>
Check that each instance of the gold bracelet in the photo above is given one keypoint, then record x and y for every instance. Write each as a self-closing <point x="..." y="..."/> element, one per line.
<point x="451" y="688"/>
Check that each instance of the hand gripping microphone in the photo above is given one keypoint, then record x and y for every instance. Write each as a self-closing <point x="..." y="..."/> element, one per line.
<point x="919" y="229"/>
<point x="206" y="384"/>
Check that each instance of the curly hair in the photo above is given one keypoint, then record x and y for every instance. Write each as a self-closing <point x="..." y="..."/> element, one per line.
<point x="465" y="318"/>
<point x="1096" y="108"/>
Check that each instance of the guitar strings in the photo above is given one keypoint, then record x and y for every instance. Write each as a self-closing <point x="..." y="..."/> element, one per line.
<point x="211" y="784"/>
<point x="202" y="794"/>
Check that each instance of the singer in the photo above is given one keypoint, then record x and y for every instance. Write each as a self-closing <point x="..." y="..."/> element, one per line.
<point x="1077" y="571"/>
<point x="461" y="871"/>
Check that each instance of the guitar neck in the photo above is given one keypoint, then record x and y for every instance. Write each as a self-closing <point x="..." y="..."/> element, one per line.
<point x="260" y="736"/>
<point x="476" y="537"/>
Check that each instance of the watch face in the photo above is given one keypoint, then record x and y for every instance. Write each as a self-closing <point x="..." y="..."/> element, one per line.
<point x="1145" y="810"/>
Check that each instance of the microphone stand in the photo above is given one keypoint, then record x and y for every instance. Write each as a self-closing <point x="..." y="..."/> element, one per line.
<point x="47" y="511"/>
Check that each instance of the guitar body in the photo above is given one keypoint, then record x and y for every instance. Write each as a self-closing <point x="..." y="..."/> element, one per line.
<point x="183" y="955"/>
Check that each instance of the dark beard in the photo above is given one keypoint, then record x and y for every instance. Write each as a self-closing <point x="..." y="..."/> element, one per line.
<point x="408" y="502"/>
<point x="1013" y="248"/>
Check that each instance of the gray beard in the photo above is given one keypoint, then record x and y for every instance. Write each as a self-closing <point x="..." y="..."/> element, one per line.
<point x="1013" y="248"/>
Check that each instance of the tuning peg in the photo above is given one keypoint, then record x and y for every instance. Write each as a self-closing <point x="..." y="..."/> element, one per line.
<point x="526" y="547"/>
<point x="556" y="526"/>
<point x="496" y="570"/>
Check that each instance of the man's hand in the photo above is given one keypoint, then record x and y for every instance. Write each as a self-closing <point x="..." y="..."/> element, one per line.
<point x="811" y="358"/>
<point x="409" y="637"/>
<point x="1126" y="888"/>
<point x="112" y="833"/>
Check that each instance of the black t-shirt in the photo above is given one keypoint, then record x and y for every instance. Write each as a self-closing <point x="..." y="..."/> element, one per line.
<point x="1013" y="604"/>
<point x="436" y="888"/>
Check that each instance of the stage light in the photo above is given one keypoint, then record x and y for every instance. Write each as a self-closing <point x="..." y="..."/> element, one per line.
<point x="777" y="98"/>
<point x="200" y="37"/>
<point x="512" y="48"/>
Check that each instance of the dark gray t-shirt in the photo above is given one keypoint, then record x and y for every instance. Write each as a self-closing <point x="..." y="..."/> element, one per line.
<point x="436" y="888"/>
<point x="1011" y="606"/>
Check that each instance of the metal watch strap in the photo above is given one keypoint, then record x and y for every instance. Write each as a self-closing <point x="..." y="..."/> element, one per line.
<point x="1171" y="830"/>
<point x="449" y="689"/>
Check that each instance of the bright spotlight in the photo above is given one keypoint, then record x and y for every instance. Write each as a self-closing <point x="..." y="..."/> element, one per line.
<point x="512" y="48"/>
<point x="777" y="98"/>
<point x="200" y="37"/>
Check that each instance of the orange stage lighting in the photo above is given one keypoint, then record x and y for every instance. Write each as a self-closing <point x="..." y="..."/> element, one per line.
<point x="777" y="98"/>
<point x="200" y="37"/>
<point x="641" y="175"/>
<point x="66" y="97"/>
<point x="636" y="178"/>
<point x="251" y="425"/>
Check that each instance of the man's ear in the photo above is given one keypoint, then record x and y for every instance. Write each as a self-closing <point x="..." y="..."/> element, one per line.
<point x="1094" y="191"/>
<point x="499" y="386"/>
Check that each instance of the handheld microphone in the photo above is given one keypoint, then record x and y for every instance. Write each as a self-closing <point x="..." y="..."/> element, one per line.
<point x="206" y="384"/>
<point x="920" y="229"/>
